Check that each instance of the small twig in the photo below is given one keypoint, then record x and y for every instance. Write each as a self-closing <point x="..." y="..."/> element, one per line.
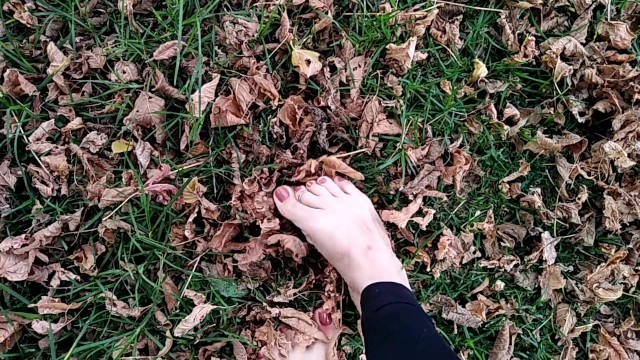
<point x="198" y="163"/>
<point x="196" y="261"/>
<point x="350" y="153"/>
<point x="472" y="7"/>
<point x="121" y="205"/>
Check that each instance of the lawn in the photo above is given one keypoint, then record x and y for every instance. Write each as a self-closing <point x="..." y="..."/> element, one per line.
<point x="141" y="142"/>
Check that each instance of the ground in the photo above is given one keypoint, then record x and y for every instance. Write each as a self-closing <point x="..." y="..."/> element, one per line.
<point x="499" y="137"/>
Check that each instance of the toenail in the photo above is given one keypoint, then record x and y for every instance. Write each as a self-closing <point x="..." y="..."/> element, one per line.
<point x="324" y="318"/>
<point x="322" y="180"/>
<point x="310" y="183"/>
<point x="339" y="178"/>
<point x="282" y="194"/>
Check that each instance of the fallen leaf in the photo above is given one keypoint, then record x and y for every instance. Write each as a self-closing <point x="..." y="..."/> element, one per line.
<point x="400" y="58"/>
<point x="291" y="244"/>
<point x="549" y="253"/>
<point x="200" y="99"/>
<point x="22" y="13"/>
<point x="193" y="191"/>
<point x="166" y="51"/>
<point x="148" y="112"/>
<point x="551" y="279"/>
<point x="116" y="196"/>
<point x="615" y="152"/>
<point x="505" y="342"/>
<point x="300" y="322"/>
<point x="307" y="61"/>
<point x="49" y="305"/>
<point x="401" y="218"/>
<point x="85" y="258"/>
<point x="143" y="151"/>
<point x="121" y="146"/>
<point x="227" y="112"/>
<point x="16" y="267"/>
<point x="161" y="84"/>
<point x="450" y="310"/>
<point x="333" y="165"/>
<point x="6" y="176"/>
<point x="43" y="327"/>
<point x="94" y="141"/>
<point x="124" y="71"/>
<point x="16" y="85"/>
<point x="192" y="320"/>
<point x="524" y="169"/>
<point x="565" y="318"/>
<point x="480" y="71"/>
<point x="120" y="308"/>
<point x="617" y="33"/>
<point x="170" y="291"/>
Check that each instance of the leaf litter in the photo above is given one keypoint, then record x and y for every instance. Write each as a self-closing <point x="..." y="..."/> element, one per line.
<point x="142" y="144"/>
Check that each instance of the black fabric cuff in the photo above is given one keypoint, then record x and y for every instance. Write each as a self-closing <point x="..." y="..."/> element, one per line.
<point x="378" y="295"/>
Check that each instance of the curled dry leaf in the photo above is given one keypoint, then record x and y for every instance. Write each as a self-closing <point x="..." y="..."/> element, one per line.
<point x="617" y="33"/>
<point x="161" y="85"/>
<point x="170" y="291"/>
<point x="148" y="112"/>
<point x="505" y="342"/>
<point x="307" y="62"/>
<point x="524" y="169"/>
<point x="401" y="218"/>
<point x="480" y="71"/>
<point x="16" y="85"/>
<point x="116" y="196"/>
<point x="450" y="310"/>
<point x="192" y="320"/>
<point x="329" y="165"/>
<point x="85" y="258"/>
<point x="291" y="244"/>
<point x="43" y="327"/>
<point x="22" y="13"/>
<point x="125" y="71"/>
<point x="565" y="318"/>
<point x="49" y="305"/>
<point x="166" y="51"/>
<point x="200" y="99"/>
<point x="120" y="308"/>
<point x="94" y="141"/>
<point x="400" y="58"/>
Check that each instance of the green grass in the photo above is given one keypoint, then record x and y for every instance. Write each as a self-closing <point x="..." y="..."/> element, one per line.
<point x="129" y="268"/>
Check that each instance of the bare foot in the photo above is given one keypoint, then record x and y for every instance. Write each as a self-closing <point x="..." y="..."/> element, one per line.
<point x="340" y="221"/>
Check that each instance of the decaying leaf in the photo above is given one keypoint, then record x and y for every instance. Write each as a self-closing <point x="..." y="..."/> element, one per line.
<point x="166" y="51"/>
<point x="200" y="99"/>
<point x="307" y="61"/>
<point x="17" y="85"/>
<point x="617" y="33"/>
<point x="121" y="146"/>
<point x="120" y="308"/>
<point x="505" y="342"/>
<point x="49" y="305"/>
<point x="192" y="320"/>
<point x="480" y="71"/>
<point x="456" y="313"/>
<point x="148" y="112"/>
<point x="291" y="244"/>
<point x="401" y="57"/>
<point x="524" y="169"/>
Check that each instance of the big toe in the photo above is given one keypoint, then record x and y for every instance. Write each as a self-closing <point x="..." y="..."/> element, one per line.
<point x="291" y="208"/>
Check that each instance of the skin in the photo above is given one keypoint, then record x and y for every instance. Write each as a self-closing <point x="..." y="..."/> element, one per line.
<point x="341" y="222"/>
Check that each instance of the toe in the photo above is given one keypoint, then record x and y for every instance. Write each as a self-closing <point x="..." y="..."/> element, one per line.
<point x="331" y="186"/>
<point x="325" y="323"/>
<point x="347" y="186"/>
<point x="289" y="207"/>
<point x="318" y="189"/>
<point x="306" y="197"/>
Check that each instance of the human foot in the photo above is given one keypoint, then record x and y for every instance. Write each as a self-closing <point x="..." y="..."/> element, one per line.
<point x="340" y="221"/>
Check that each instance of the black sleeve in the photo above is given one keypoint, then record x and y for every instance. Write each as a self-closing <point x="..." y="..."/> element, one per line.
<point x="394" y="326"/>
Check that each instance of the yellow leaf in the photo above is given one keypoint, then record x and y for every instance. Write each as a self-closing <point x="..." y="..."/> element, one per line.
<point x="479" y="70"/>
<point x="122" y="146"/>
<point x="307" y="61"/>
<point x="192" y="192"/>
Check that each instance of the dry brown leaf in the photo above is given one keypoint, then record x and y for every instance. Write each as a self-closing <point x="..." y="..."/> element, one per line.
<point x="148" y="112"/>
<point x="446" y="86"/>
<point x="16" y="85"/>
<point x="301" y="322"/>
<point x="94" y="141"/>
<point x="400" y="57"/>
<point x="143" y="151"/>
<point x="284" y="33"/>
<point x="565" y="318"/>
<point x="611" y="347"/>
<point x="193" y="192"/>
<point x="374" y="122"/>
<point x="228" y="112"/>
<point x="239" y="351"/>
<point x="291" y="244"/>
<point x="116" y="196"/>
<point x="453" y="251"/>
<point x="192" y="320"/>
<point x="333" y="165"/>
<point x="227" y="231"/>
<point x="170" y="291"/>
<point x="85" y="258"/>
<point x="307" y="61"/>
<point x="505" y="342"/>
<point x="524" y="169"/>
<point x="615" y="152"/>
<point x="456" y="313"/>
<point x="200" y="99"/>
<point x="120" y="308"/>
<point x="549" y="253"/>
<point x="124" y="71"/>
<point x="108" y="227"/>
<point x="196" y="297"/>
<point x="401" y="218"/>
<point x="617" y="33"/>
<point x="49" y="305"/>
<point x="7" y="178"/>
<point x="43" y="327"/>
<point x="551" y="279"/>
<point x="22" y="13"/>
<point x="16" y="267"/>
<point x="166" y="51"/>
<point x="161" y="84"/>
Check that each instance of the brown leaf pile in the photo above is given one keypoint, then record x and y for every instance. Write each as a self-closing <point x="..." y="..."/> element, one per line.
<point x="110" y="136"/>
